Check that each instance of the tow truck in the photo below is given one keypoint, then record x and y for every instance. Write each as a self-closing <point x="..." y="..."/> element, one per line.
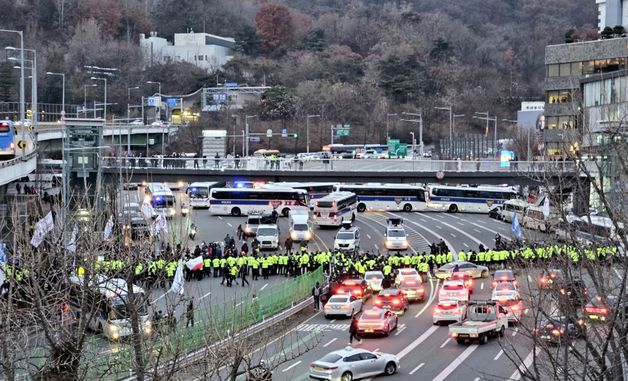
<point x="484" y="319"/>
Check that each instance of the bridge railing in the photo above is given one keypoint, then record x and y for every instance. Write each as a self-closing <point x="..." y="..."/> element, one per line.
<point x="338" y="165"/>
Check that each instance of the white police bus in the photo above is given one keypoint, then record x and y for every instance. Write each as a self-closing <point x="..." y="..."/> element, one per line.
<point x="332" y="209"/>
<point x="388" y="197"/>
<point x="599" y="230"/>
<point x="199" y="193"/>
<point x="162" y="199"/>
<point x="314" y="190"/>
<point x="245" y="201"/>
<point x="467" y="199"/>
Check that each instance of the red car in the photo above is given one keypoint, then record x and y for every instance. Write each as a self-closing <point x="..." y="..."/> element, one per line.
<point x="377" y="320"/>
<point x="392" y="299"/>
<point x="356" y="287"/>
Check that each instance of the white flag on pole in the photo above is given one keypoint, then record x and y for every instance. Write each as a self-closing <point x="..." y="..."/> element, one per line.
<point x="71" y="246"/>
<point x="147" y="210"/>
<point x="546" y="207"/>
<point x="3" y="261"/>
<point x="108" y="229"/>
<point x="161" y="224"/>
<point x="177" y="282"/>
<point x="42" y="227"/>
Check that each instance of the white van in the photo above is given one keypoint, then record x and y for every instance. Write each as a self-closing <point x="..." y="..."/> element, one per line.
<point x="268" y="236"/>
<point x="512" y="207"/>
<point x="535" y="219"/>
<point x="300" y="227"/>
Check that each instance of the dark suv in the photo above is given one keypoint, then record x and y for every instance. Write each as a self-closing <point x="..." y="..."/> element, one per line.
<point x="574" y="291"/>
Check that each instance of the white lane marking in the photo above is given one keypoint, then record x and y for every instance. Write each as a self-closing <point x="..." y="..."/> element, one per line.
<point x="206" y="295"/>
<point x="263" y="287"/>
<point x="529" y="278"/>
<point x="456" y="363"/>
<point x="368" y="236"/>
<point x="453" y="235"/>
<point x="229" y="223"/>
<point x="476" y="379"/>
<point x="292" y="366"/>
<point x="220" y="218"/>
<point x="514" y="333"/>
<point x="477" y="241"/>
<point x="617" y="272"/>
<point x="401" y="329"/>
<point x="525" y="312"/>
<point x="476" y="230"/>
<point x="333" y="321"/>
<point x="417" y="368"/>
<point x="499" y="354"/>
<point x="438" y="227"/>
<point x="239" y="304"/>
<point x="330" y="341"/>
<point x="431" y="299"/>
<point x="417" y="342"/>
<point x="376" y="350"/>
<point x="445" y="343"/>
<point x="432" y="232"/>
<point x="482" y="286"/>
<point x="523" y="367"/>
<point x="376" y="248"/>
<point x="154" y="301"/>
<point x="465" y="245"/>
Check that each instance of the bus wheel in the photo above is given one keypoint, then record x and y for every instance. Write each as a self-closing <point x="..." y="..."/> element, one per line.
<point x="407" y="208"/>
<point x="361" y="208"/>
<point x="236" y="212"/>
<point x="285" y="212"/>
<point x="453" y="208"/>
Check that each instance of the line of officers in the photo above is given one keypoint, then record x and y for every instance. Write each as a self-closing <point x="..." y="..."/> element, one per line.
<point x="231" y="266"/>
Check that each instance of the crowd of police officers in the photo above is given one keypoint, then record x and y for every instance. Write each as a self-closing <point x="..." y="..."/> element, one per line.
<point x="223" y="260"/>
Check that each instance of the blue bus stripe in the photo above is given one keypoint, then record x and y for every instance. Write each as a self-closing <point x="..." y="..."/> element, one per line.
<point x="470" y="200"/>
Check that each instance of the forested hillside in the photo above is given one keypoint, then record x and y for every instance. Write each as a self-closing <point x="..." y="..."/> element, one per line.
<point x="353" y="61"/>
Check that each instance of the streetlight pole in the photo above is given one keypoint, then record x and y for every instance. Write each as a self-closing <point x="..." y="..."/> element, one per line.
<point x="62" y="92"/>
<point x="418" y="115"/>
<point x="388" y="126"/>
<point x="451" y="126"/>
<point x="493" y="119"/>
<point x="85" y="97"/>
<point x="307" y="131"/>
<point x="105" y="102"/>
<point x="158" y="113"/>
<point x="22" y="96"/>
<point x="246" y="132"/>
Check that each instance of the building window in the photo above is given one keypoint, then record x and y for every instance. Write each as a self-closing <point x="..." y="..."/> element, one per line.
<point x="576" y="68"/>
<point x="553" y="70"/>
<point x="565" y="70"/>
<point x="551" y="122"/>
<point x="565" y="122"/>
<point x="559" y="96"/>
<point x="588" y="67"/>
<point x="200" y="58"/>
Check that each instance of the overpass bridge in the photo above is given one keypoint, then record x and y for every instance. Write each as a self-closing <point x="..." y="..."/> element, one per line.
<point x="340" y="170"/>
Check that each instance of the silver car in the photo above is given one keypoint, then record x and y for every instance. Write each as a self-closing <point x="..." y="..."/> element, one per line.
<point x="347" y="305"/>
<point x="374" y="279"/>
<point x="474" y="271"/>
<point x="353" y="363"/>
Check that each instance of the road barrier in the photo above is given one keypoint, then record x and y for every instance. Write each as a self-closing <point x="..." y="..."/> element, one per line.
<point x="248" y="315"/>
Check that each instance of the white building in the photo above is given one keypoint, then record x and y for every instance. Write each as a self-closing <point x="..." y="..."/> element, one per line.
<point x="204" y="50"/>
<point x="531" y="115"/>
<point x="611" y="13"/>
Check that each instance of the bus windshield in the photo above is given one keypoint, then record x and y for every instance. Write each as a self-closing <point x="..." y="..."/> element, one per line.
<point x="163" y="201"/>
<point x="199" y="192"/>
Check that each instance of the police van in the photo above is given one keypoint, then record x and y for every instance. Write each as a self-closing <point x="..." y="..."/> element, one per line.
<point x="396" y="237"/>
<point x="300" y="226"/>
<point x="347" y="238"/>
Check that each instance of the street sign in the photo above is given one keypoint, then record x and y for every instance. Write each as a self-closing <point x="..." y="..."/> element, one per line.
<point x="343" y="132"/>
<point x="402" y="151"/>
<point x="172" y="102"/>
<point x="393" y="147"/>
<point x="219" y="97"/>
<point x="21" y="144"/>
<point x="254" y="139"/>
<point x="231" y="84"/>
<point x="269" y="133"/>
<point x="284" y="133"/>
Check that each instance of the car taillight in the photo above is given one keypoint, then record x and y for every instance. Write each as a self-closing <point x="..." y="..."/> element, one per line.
<point x="396" y="302"/>
<point x="340" y="291"/>
<point x="378" y="302"/>
<point x="494" y="284"/>
<point x="357" y="292"/>
<point x="543" y="280"/>
<point x="556" y="332"/>
<point x="595" y="310"/>
<point x="421" y="290"/>
<point x="515" y="308"/>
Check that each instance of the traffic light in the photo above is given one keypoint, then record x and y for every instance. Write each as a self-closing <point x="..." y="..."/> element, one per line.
<point x="295" y="135"/>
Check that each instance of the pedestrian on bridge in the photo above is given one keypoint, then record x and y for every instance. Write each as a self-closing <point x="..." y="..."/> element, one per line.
<point x="217" y="161"/>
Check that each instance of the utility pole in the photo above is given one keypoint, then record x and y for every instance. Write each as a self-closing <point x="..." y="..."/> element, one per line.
<point x="247" y="132"/>
<point x="486" y="116"/>
<point x="419" y="120"/>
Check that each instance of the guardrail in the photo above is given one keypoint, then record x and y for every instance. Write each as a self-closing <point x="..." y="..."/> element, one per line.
<point x="350" y="165"/>
<point x="216" y="325"/>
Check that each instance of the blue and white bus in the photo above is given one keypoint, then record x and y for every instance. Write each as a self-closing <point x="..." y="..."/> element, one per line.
<point x="467" y="199"/>
<point x="388" y="197"/>
<point x="245" y="201"/>
<point x="335" y="208"/>
<point x="7" y="140"/>
<point x="199" y="193"/>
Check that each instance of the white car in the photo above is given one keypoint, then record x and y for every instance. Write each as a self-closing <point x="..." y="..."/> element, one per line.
<point x="347" y="239"/>
<point x="268" y="236"/>
<point x="344" y="305"/>
<point x="405" y="274"/>
<point x="352" y="364"/>
<point x="449" y="310"/>
<point x="453" y="290"/>
<point x="374" y="279"/>
<point x="396" y="239"/>
<point x="505" y="291"/>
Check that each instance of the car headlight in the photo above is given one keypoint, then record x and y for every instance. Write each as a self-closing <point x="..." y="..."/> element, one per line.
<point x="293" y="235"/>
<point x="113" y="331"/>
<point x="308" y="235"/>
<point x="148" y="327"/>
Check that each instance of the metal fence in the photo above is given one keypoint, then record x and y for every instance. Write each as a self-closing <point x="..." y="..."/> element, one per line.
<point x="217" y="322"/>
